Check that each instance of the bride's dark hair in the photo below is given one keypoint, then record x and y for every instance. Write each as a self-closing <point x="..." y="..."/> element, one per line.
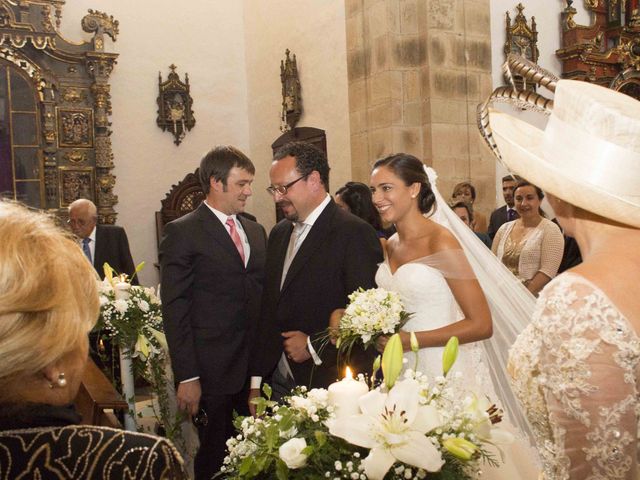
<point x="411" y="170"/>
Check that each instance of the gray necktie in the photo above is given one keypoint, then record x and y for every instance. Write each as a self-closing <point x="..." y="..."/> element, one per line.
<point x="294" y="246"/>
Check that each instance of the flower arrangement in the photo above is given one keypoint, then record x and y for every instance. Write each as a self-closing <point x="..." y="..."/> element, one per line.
<point x="369" y="315"/>
<point x="131" y="317"/>
<point x="409" y="426"/>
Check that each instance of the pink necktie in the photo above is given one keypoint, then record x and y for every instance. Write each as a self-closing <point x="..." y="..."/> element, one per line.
<point x="235" y="237"/>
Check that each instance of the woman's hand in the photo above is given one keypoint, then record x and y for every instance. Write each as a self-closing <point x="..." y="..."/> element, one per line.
<point x="382" y="340"/>
<point x="334" y="324"/>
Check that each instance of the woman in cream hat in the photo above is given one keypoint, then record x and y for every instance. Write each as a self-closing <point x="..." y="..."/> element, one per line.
<point x="576" y="367"/>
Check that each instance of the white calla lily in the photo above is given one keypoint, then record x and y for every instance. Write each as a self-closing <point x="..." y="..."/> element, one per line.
<point x="393" y="425"/>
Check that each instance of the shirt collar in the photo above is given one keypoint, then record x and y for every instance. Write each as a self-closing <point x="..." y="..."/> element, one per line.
<point x="92" y="237"/>
<point x="313" y="216"/>
<point x="223" y="216"/>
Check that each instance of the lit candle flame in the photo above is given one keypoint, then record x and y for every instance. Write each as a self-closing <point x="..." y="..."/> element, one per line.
<point x="348" y="373"/>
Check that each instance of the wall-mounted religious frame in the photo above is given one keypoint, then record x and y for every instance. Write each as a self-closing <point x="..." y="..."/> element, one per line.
<point x="522" y="40"/>
<point x="76" y="182"/>
<point x="607" y="52"/>
<point x="174" y="105"/>
<point x="55" y="105"/>
<point x="291" y="96"/>
<point x="75" y="127"/>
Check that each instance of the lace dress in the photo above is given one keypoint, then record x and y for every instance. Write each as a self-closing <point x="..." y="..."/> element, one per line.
<point x="424" y="291"/>
<point x="576" y="370"/>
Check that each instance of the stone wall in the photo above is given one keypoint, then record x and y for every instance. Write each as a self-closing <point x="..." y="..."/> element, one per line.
<point x="417" y="69"/>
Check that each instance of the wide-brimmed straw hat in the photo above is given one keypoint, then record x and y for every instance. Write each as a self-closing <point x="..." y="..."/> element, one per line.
<point x="588" y="154"/>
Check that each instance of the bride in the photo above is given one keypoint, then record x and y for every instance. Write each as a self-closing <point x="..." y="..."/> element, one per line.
<point x="440" y="283"/>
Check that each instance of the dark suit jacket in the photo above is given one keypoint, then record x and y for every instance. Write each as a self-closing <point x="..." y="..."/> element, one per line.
<point x="498" y="218"/>
<point x="112" y="246"/>
<point x="210" y="300"/>
<point x="340" y="254"/>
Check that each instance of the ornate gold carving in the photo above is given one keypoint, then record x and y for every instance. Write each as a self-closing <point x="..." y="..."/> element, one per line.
<point x="76" y="128"/>
<point x="291" y="98"/>
<point x="174" y="105"/>
<point x="100" y="23"/>
<point x="75" y="183"/>
<point x="100" y="65"/>
<point x="522" y="40"/>
<point x="74" y="95"/>
<point x="75" y="156"/>
<point x="104" y="155"/>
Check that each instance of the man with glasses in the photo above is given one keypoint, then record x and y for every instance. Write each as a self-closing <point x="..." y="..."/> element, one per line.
<point x="316" y="256"/>
<point x="100" y="243"/>
<point x="212" y="268"/>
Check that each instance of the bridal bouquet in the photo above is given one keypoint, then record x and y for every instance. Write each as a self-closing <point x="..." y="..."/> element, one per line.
<point x="370" y="314"/>
<point x="409" y="427"/>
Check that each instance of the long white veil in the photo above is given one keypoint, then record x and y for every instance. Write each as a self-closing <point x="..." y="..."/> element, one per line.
<point x="510" y="302"/>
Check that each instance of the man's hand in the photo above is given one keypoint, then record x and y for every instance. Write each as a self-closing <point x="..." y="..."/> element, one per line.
<point x="253" y="393"/>
<point x="188" y="396"/>
<point x="334" y="324"/>
<point x="295" y="346"/>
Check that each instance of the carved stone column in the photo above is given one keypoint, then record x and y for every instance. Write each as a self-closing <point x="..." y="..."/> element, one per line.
<point x="417" y="69"/>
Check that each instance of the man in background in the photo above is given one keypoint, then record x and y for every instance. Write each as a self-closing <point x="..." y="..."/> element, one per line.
<point x="100" y="243"/>
<point x="506" y="213"/>
<point x="212" y="269"/>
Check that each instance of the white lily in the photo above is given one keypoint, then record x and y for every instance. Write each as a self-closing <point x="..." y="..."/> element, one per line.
<point x="478" y="408"/>
<point x="393" y="425"/>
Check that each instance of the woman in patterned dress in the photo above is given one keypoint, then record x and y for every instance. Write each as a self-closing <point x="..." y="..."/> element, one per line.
<point x="48" y="304"/>
<point x="576" y="367"/>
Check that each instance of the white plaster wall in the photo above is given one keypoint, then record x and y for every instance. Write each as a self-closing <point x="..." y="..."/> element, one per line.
<point x="315" y="31"/>
<point x="547" y="15"/>
<point x="203" y="38"/>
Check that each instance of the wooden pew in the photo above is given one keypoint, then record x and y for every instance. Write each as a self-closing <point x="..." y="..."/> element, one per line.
<point x="97" y="394"/>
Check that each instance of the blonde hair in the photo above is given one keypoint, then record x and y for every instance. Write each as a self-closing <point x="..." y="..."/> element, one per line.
<point x="48" y="293"/>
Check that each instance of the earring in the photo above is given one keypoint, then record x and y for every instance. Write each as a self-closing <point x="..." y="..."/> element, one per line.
<point x="61" y="382"/>
<point x="413" y="196"/>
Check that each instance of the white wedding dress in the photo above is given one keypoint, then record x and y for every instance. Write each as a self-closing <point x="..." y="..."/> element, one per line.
<point x="425" y="293"/>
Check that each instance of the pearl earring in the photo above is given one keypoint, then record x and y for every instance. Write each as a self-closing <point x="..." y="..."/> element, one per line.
<point x="61" y="382"/>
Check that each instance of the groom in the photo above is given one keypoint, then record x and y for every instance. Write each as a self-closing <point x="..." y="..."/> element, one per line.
<point x="316" y="257"/>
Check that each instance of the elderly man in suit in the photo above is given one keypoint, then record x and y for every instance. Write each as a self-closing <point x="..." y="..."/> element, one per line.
<point x="507" y="212"/>
<point x="100" y="243"/>
<point x="212" y="267"/>
<point x="316" y="257"/>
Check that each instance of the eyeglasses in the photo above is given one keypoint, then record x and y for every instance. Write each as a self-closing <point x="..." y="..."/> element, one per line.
<point x="283" y="189"/>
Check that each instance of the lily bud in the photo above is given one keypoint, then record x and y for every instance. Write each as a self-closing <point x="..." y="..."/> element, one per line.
<point x="460" y="447"/>
<point x="392" y="360"/>
<point x="415" y="346"/>
<point x="450" y="355"/>
<point x="376" y="364"/>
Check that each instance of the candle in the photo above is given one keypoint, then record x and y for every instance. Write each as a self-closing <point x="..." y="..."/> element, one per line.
<point x="344" y="395"/>
<point x="121" y="290"/>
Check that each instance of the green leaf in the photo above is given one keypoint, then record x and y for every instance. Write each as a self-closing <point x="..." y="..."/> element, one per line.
<point x="392" y="360"/>
<point x="321" y="437"/>
<point x="282" y="471"/>
<point x="246" y="465"/>
<point x="266" y="389"/>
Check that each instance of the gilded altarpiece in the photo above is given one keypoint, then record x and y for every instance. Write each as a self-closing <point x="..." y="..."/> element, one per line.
<point x="54" y="109"/>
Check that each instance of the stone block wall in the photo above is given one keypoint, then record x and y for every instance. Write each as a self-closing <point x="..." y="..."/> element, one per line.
<point x="417" y="69"/>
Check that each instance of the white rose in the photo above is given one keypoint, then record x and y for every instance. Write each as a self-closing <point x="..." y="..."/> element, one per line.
<point x="291" y="453"/>
<point x="121" y="305"/>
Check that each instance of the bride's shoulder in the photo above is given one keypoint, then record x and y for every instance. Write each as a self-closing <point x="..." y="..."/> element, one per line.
<point x="441" y="238"/>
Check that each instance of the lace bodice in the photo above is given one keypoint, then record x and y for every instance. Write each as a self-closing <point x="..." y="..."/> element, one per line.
<point x="576" y="369"/>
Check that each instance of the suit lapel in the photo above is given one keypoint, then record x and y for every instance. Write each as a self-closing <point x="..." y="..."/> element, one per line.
<point x="98" y="251"/>
<point x="314" y="239"/>
<point x="282" y="244"/>
<point x="213" y="227"/>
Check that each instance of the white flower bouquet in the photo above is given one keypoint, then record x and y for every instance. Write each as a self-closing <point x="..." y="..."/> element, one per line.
<point x="131" y="317"/>
<point x="409" y="427"/>
<point x="369" y="315"/>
